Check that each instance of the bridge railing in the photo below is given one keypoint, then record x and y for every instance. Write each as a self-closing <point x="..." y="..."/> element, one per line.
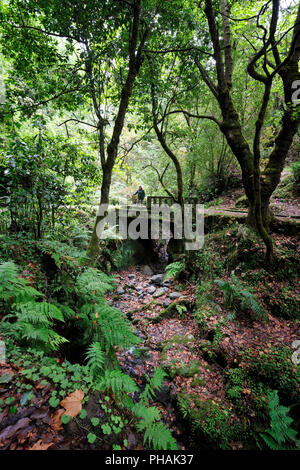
<point x="169" y="200"/>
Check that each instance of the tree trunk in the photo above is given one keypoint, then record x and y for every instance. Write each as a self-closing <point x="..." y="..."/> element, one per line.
<point x="135" y="62"/>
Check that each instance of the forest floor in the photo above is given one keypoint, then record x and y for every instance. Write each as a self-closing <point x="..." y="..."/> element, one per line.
<point x="165" y="318"/>
<point x="171" y="339"/>
<point x="186" y="328"/>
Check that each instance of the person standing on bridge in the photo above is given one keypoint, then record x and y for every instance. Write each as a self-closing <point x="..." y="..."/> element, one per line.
<point x="141" y="195"/>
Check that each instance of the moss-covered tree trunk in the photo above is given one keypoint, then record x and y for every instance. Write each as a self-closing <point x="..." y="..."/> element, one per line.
<point x="258" y="187"/>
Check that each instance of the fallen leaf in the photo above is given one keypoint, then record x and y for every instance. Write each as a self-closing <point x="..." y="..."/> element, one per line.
<point x="39" y="445"/>
<point x="72" y="403"/>
<point x="56" y="421"/>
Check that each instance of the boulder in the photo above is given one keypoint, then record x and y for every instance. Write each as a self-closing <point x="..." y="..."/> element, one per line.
<point x="159" y="293"/>
<point x="120" y="290"/>
<point x="151" y="290"/>
<point x="175" y="295"/>
<point x="147" y="270"/>
<point x="157" y="279"/>
<point x="242" y="202"/>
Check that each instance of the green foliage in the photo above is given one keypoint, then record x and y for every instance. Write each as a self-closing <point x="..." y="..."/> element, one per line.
<point x="156" y="433"/>
<point x="95" y="358"/>
<point x="92" y="284"/>
<point x="155" y="383"/>
<point x="274" y="368"/>
<point x="296" y="174"/>
<point x="30" y="322"/>
<point x="116" y="381"/>
<point x="280" y="435"/>
<point x="159" y="437"/>
<point x="209" y="421"/>
<point x="174" y="270"/>
<point x="13" y="288"/>
<point x="236" y="296"/>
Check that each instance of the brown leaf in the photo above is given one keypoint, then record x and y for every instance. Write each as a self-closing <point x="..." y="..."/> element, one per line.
<point x="39" y="445"/>
<point x="56" y="421"/>
<point x="72" y="403"/>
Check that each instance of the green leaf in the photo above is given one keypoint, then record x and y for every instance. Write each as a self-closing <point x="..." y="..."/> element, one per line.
<point x="65" y="419"/>
<point x="91" y="438"/>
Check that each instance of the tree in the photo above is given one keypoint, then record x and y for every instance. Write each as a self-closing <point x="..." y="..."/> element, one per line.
<point x="267" y="63"/>
<point x="90" y="43"/>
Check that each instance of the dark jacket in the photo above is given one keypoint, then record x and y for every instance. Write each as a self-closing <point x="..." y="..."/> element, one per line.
<point x="140" y="193"/>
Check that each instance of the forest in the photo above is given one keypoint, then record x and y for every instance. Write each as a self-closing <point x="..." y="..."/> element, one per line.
<point x="141" y="342"/>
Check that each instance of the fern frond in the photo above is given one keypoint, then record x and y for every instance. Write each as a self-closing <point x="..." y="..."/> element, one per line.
<point x="173" y="270"/>
<point x="117" y="381"/>
<point x="93" y="284"/>
<point x="280" y="435"/>
<point x="39" y="312"/>
<point x="67" y="312"/>
<point x="149" y="414"/>
<point x="154" y="383"/>
<point x="159" y="437"/>
<point x="115" y="329"/>
<point x="12" y="286"/>
<point x="95" y="358"/>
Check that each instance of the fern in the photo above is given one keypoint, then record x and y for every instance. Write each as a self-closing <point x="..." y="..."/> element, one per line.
<point x="117" y="381"/>
<point x="154" y="384"/>
<point x="173" y="270"/>
<point x="159" y="437"/>
<point x="107" y="325"/>
<point x="95" y="358"/>
<point x="12" y="287"/>
<point x="39" y="312"/>
<point x="280" y="436"/>
<point x="93" y="284"/>
<point x="149" y="414"/>
<point x="29" y="320"/>
<point x="236" y="296"/>
<point x="67" y="312"/>
<point x="116" y="330"/>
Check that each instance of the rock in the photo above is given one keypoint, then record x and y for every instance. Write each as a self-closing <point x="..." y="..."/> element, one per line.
<point x="242" y="202"/>
<point x="166" y="283"/>
<point x="120" y="290"/>
<point x="151" y="290"/>
<point x="131" y="276"/>
<point x="147" y="270"/>
<point x="175" y="295"/>
<point x="159" y="293"/>
<point x="157" y="279"/>
<point x="131" y="285"/>
<point x="166" y="303"/>
<point x="191" y="337"/>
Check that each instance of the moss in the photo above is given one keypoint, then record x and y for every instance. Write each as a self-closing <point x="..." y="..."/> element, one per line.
<point x="242" y="202"/>
<point x="172" y="368"/>
<point x="209" y="421"/>
<point x="166" y="345"/>
<point x="275" y="369"/>
<point x="170" y="311"/>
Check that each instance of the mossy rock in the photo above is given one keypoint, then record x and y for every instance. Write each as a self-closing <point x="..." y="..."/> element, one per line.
<point x="242" y="202"/>
<point x="184" y="370"/>
<point x="211" y="422"/>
